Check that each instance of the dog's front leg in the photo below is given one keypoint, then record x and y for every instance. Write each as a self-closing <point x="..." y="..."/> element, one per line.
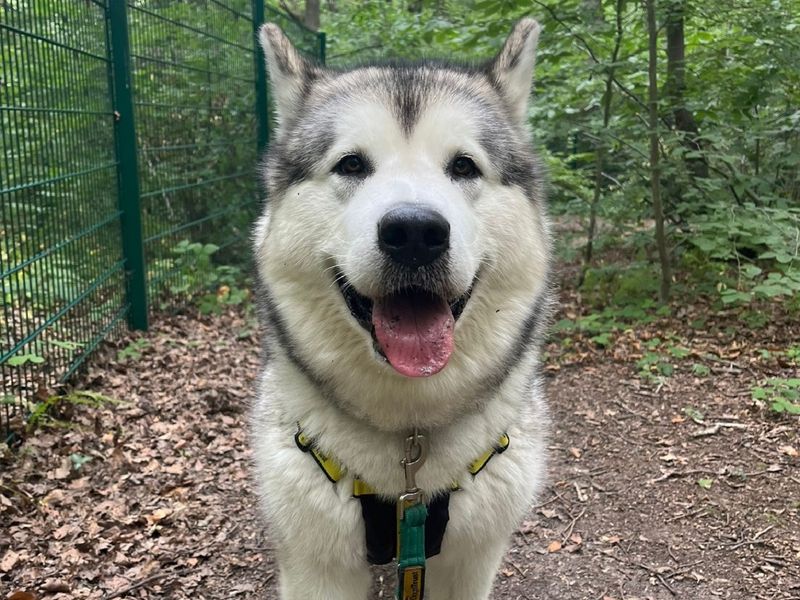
<point x="464" y="572"/>
<point x="310" y="576"/>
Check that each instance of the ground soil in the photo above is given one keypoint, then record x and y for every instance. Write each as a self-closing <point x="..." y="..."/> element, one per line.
<point x="660" y="487"/>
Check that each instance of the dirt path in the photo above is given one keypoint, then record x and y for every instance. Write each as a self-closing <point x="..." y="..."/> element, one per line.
<point x="681" y="489"/>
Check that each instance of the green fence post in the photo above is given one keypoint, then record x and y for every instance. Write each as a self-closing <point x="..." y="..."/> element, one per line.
<point x="321" y="37"/>
<point x="127" y="166"/>
<point x="262" y="102"/>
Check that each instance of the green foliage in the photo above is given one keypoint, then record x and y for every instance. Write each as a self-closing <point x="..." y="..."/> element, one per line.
<point x="701" y="370"/>
<point x="734" y="228"/>
<point x="78" y="460"/>
<point x="48" y="412"/>
<point x="195" y="276"/>
<point x="654" y="365"/>
<point x="133" y="351"/>
<point x="781" y="395"/>
<point x="28" y="357"/>
<point x="694" y="414"/>
<point x="760" y="243"/>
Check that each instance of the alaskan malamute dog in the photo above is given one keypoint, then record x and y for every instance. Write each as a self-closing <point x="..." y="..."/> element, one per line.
<point x="403" y="262"/>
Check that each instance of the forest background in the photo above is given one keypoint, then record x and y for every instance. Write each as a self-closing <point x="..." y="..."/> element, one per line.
<point x="670" y="129"/>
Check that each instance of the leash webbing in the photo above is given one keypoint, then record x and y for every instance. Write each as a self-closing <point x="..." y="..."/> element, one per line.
<point x="411" y="552"/>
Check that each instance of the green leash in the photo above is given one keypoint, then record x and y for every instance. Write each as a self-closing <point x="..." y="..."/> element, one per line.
<point x="411" y="553"/>
<point x="411" y="516"/>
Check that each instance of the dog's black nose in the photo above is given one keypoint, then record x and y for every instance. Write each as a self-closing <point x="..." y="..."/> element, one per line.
<point x="413" y="236"/>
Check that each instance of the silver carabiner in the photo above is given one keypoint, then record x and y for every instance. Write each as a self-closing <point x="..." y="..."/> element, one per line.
<point x="416" y="452"/>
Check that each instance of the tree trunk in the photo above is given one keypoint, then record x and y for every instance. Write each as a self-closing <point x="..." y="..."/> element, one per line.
<point x="655" y="167"/>
<point x="675" y="86"/>
<point x="600" y="152"/>
<point x="311" y="17"/>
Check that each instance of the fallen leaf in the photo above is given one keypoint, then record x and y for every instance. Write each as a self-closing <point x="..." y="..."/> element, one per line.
<point x="788" y="451"/>
<point x="548" y="513"/>
<point x="554" y="546"/>
<point x="158" y="515"/>
<point x="575" y="452"/>
<point x="611" y="539"/>
<point x="10" y="559"/>
<point x="705" y="483"/>
<point x="20" y="595"/>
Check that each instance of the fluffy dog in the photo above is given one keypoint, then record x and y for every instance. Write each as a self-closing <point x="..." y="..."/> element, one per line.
<point x="403" y="260"/>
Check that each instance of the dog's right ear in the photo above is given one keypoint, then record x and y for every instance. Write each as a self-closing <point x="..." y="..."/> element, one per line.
<point x="289" y="72"/>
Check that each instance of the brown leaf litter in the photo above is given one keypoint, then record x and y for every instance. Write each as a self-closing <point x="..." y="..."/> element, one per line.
<point x="150" y="497"/>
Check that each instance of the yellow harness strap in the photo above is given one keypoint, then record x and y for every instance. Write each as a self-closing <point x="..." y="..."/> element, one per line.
<point x="477" y="465"/>
<point x="334" y="471"/>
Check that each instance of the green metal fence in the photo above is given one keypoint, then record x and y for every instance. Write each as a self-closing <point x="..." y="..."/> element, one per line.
<point x="125" y="127"/>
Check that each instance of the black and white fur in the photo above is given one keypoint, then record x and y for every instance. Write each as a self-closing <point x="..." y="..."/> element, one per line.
<point x="407" y="121"/>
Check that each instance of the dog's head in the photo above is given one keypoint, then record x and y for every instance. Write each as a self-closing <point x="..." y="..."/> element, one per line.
<point x="403" y="250"/>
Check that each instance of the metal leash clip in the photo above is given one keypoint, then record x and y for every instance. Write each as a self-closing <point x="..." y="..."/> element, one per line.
<point x="416" y="452"/>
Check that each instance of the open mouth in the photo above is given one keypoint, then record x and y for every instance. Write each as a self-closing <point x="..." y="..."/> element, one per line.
<point x="412" y="328"/>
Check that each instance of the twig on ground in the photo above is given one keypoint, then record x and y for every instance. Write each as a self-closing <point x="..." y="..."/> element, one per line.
<point x="629" y="410"/>
<point x="715" y="428"/>
<point x="143" y="582"/>
<point x="697" y="512"/>
<point x="516" y="567"/>
<point x="658" y="576"/>
<point x="670" y="474"/>
<point x="556" y="496"/>
<point x="571" y="526"/>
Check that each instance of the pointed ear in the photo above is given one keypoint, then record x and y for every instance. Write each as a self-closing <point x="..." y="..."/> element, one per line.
<point x="512" y="69"/>
<point x="289" y="72"/>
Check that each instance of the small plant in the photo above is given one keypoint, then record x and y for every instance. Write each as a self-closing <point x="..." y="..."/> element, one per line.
<point x="653" y="365"/>
<point x="781" y="395"/>
<point x="700" y="370"/>
<point x="197" y="278"/>
<point x="78" y="460"/>
<point x="49" y="412"/>
<point x="21" y="359"/>
<point x="134" y="350"/>
<point x="694" y="414"/>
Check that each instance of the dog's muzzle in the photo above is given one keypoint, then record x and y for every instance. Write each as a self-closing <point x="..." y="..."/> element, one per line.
<point x="412" y="321"/>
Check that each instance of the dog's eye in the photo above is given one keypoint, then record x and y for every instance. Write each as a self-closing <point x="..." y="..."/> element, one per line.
<point x="352" y="164"/>
<point x="463" y="167"/>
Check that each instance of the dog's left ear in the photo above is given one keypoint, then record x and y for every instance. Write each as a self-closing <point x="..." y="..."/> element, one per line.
<point x="512" y="69"/>
<point x="289" y="72"/>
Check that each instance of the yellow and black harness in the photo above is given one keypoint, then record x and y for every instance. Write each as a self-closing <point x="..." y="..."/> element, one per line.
<point x="380" y="515"/>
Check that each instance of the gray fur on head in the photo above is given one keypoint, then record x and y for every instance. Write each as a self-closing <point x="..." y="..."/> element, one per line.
<point x="512" y="69"/>
<point x="291" y="75"/>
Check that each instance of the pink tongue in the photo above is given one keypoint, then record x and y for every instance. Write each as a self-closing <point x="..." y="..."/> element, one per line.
<point x="415" y="332"/>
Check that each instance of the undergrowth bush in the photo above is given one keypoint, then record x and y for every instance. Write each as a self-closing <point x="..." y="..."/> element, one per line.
<point x="198" y="279"/>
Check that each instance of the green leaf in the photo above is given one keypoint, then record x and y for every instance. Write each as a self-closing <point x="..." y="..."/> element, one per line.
<point x="78" y="460"/>
<point x="694" y="414"/>
<point x="21" y="359"/>
<point x="705" y="483"/>
<point x="700" y="370"/>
